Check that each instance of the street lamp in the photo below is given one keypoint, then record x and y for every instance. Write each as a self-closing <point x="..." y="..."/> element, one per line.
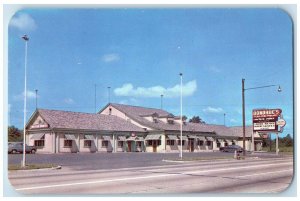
<point x="108" y="94"/>
<point x="243" y="106"/>
<point x="26" y="39"/>
<point x="180" y="115"/>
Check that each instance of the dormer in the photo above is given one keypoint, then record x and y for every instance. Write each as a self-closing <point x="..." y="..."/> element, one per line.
<point x="170" y="119"/>
<point x="155" y="117"/>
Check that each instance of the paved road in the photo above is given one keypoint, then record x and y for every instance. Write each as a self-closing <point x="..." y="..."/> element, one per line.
<point x="267" y="175"/>
<point x="98" y="161"/>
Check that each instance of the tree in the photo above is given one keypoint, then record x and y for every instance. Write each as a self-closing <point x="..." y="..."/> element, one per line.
<point x="287" y="140"/>
<point x="196" y="119"/>
<point x="14" y="134"/>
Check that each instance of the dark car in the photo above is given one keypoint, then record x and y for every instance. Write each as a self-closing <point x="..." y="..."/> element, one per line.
<point x="17" y="147"/>
<point x="232" y="148"/>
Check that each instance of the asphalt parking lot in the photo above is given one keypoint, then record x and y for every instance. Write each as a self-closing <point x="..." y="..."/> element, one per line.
<point x="98" y="161"/>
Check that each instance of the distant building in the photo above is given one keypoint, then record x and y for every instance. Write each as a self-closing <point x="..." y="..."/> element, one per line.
<point x="125" y="128"/>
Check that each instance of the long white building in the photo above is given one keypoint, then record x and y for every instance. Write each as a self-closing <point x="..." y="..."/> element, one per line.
<point x="126" y="128"/>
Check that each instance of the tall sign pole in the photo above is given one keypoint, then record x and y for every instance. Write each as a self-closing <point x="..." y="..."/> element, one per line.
<point x="26" y="39"/>
<point x="180" y="115"/>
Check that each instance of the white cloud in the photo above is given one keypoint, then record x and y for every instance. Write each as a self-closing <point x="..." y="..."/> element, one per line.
<point x="29" y="95"/>
<point x="108" y="58"/>
<point x="213" y="110"/>
<point x="233" y="121"/>
<point x="23" y="22"/>
<point x="128" y="89"/>
<point x="68" y="100"/>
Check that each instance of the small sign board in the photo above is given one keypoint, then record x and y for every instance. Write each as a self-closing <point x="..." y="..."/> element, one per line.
<point x="265" y="120"/>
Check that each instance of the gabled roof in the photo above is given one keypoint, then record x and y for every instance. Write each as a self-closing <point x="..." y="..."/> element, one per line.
<point x="85" y="121"/>
<point x="138" y="113"/>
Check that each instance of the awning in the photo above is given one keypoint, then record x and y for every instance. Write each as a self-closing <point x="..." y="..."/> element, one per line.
<point x="220" y="140"/>
<point x="89" y="137"/>
<point x="106" y="138"/>
<point x="37" y="136"/>
<point x="140" y="139"/>
<point x="183" y="137"/>
<point x="192" y="136"/>
<point x="152" y="137"/>
<point x="70" y="137"/>
<point x="201" y="138"/>
<point x="209" y="139"/>
<point x="131" y="138"/>
<point x="172" y="137"/>
<point x="121" y="138"/>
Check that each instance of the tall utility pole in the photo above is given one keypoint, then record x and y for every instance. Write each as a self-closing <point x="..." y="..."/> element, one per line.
<point x="36" y="99"/>
<point x="180" y="115"/>
<point x="108" y="94"/>
<point x="161" y="101"/>
<point x="95" y="97"/>
<point x="26" y="39"/>
<point x="243" y="105"/>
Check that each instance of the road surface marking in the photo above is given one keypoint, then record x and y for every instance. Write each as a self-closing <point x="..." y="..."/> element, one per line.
<point x="144" y="177"/>
<point x="249" y="175"/>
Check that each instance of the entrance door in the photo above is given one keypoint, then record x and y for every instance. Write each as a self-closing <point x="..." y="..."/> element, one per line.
<point x="129" y="146"/>
<point x="154" y="146"/>
<point x="191" y="145"/>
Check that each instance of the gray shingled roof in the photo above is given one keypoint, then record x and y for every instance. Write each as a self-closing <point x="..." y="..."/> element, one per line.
<point x="86" y="121"/>
<point x="137" y="113"/>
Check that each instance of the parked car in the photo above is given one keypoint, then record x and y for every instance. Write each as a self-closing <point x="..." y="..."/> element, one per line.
<point x="17" y="147"/>
<point x="232" y="148"/>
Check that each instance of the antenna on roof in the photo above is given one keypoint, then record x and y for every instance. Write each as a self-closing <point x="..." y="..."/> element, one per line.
<point x="161" y="101"/>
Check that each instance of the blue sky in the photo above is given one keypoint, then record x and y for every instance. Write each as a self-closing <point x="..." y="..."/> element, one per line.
<point x="140" y="52"/>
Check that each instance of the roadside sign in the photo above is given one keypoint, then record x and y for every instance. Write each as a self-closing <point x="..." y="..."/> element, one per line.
<point x="266" y="120"/>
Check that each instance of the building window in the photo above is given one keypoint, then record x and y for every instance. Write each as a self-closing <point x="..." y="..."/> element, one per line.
<point x="68" y="143"/>
<point x="120" y="144"/>
<point x="39" y="143"/>
<point x="104" y="144"/>
<point x="109" y="111"/>
<point x="218" y="144"/>
<point x="200" y="143"/>
<point x="233" y="143"/>
<point x="179" y="142"/>
<point x="158" y="142"/>
<point x="87" y="143"/>
<point x="171" y="142"/>
<point x="139" y="144"/>
<point x="150" y="142"/>
<point x="225" y="144"/>
<point x="208" y="143"/>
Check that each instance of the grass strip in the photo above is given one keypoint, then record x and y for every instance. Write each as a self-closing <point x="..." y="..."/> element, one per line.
<point x="30" y="166"/>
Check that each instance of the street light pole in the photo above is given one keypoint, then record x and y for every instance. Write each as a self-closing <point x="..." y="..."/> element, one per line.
<point x="26" y="39"/>
<point x="180" y="115"/>
<point x="243" y="108"/>
<point x="36" y="99"/>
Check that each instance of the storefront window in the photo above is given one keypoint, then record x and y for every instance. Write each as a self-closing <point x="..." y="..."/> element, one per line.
<point x="139" y="144"/>
<point x="39" y="143"/>
<point x="105" y="143"/>
<point x="171" y="142"/>
<point x="120" y="144"/>
<point x="87" y="143"/>
<point x="68" y="143"/>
